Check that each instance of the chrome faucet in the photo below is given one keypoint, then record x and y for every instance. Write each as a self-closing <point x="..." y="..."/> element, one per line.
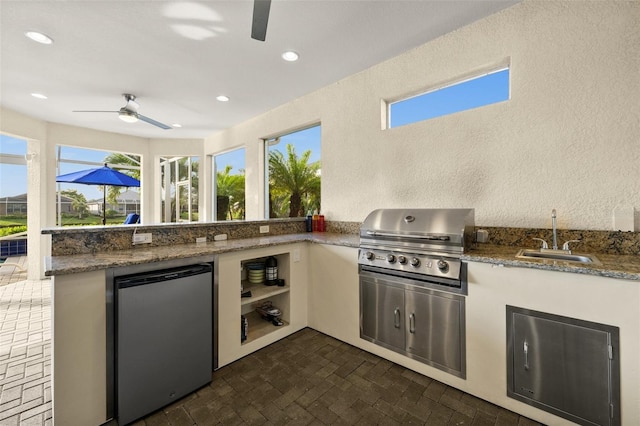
<point x="555" y="231"/>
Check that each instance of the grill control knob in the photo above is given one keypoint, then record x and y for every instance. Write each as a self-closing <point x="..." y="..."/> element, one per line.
<point x="415" y="262"/>
<point x="402" y="260"/>
<point x="369" y="255"/>
<point x="391" y="258"/>
<point x="442" y="265"/>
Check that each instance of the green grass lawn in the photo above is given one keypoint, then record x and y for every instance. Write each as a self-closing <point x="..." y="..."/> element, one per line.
<point x="66" y="220"/>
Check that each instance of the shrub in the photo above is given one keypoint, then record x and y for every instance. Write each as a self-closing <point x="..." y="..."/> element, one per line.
<point x="10" y="230"/>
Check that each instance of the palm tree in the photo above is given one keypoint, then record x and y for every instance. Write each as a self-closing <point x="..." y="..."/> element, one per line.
<point x="231" y="186"/>
<point x="128" y="160"/>
<point x="293" y="181"/>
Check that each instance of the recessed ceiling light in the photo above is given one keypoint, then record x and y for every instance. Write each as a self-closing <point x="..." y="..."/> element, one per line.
<point x="39" y="96"/>
<point x="39" y="37"/>
<point x="223" y="98"/>
<point x="290" y="56"/>
<point x="176" y="125"/>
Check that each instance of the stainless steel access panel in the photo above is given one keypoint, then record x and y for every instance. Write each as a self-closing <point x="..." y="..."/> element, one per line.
<point x="565" y="366"/>
<point x="419" y="322"/>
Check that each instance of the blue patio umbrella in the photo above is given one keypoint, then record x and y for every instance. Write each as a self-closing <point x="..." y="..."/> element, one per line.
<point x="100" y="176"/>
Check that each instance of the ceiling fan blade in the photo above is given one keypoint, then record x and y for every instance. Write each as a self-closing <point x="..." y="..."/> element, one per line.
<point x="95" y="111"/>
<point x="152" y="121"/>
<point x="260" y="19"/>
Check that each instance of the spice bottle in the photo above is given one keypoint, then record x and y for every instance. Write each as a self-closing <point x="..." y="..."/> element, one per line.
<point x="314" y="219"/>
<point x="321" y="225"/>
<point x="309" y="221"/>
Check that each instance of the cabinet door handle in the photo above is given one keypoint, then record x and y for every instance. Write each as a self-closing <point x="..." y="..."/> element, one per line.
<point x="396" y="317"/>
<point x="525" y="348"/>
<point x="412" y="323"/>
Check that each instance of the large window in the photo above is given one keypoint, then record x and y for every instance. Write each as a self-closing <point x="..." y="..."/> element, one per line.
<point x="228" y="172"/>
<point x="475" y="92"/>
<point x="80" y="204"/>
<point x="293" y="174"/>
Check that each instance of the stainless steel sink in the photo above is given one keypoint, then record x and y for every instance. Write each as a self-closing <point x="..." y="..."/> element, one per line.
<point x="558" y="255"/>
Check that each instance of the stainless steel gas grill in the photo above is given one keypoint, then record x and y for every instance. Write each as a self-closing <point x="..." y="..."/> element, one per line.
<point x="412" y="283"/>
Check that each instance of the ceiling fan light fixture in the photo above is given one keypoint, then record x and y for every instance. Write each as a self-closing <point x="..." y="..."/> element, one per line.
<point x="222" y="98"/>
<point x="290" y="56"/>
<point x="39" y="37"/>
<point x="39" y="96"/>
<point x="176" y="125"/>
<point x="128" y="116"/>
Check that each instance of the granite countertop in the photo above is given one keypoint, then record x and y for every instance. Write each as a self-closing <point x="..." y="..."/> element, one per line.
<point x="625" y="267"/>
<point x="71" y="264"/>
<point x="613" y="266"/>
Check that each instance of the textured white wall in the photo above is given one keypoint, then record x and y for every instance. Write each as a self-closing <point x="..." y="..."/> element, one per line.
<point x="567" y="139"/>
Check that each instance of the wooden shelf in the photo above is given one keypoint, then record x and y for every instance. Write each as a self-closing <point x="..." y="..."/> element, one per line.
<point x="260" y="292"/>
<point x="259" y="327"/>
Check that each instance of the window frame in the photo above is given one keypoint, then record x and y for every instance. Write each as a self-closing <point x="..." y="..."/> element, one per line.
<point x="268" y="141"/>
<point x="389" y="103"/>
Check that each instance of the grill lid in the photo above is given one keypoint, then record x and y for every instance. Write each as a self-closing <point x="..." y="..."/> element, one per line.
<point x="448" y="230"/>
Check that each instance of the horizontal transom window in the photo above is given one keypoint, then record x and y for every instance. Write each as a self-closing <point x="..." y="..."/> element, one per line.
<point x="486" y="89"/>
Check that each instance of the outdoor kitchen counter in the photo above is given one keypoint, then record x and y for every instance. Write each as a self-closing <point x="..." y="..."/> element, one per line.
<point x="71" y="264"/>
<point x="613" y="266"/>
<point x="625" y="267"/>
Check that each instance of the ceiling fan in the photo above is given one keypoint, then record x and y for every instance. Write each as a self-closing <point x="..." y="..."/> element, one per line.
<point x="260" y="19"/>
<point x="129" y="113"/>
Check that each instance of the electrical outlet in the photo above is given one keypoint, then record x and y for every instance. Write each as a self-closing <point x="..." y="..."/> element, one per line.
<point x="142" y="238"/>
<point x="264" y="229"/>
<point x="296" y="255"/>
<point x="201" y="240"/>
<point x="220" y="237"/>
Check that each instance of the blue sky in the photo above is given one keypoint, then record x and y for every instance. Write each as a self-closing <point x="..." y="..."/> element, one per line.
<point x="484" y="90"/>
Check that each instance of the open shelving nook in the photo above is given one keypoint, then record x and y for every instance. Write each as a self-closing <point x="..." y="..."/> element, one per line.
<point x="261" y="293"/>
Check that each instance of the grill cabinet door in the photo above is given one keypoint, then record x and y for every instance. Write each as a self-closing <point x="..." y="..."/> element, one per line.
<point x="434" y="328"/>
<point x="382" y="313"/>
<point x="563" y="368"/>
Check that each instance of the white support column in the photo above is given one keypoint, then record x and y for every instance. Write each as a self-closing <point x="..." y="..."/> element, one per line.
<point x="40" y="195"/>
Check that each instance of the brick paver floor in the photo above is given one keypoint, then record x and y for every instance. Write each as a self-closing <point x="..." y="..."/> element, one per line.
<point x="25" y="353"/>
<point x="14" y="269"/>
<point x="311" y="378"/>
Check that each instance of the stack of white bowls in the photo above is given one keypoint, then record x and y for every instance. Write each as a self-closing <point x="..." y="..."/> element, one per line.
<point x="255" y="273"/>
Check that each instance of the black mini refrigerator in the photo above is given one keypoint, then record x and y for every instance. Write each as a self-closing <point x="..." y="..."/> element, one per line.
<point x="163" y="338"/>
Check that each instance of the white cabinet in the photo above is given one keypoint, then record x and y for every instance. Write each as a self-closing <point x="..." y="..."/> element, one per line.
<point x="333" y="292"/>
<point x="291" y="299"/>
<point x="79" y="336"/>
<point x="585" y="297"/>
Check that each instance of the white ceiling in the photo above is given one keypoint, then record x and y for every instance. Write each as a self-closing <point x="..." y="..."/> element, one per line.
<point x="178" y="56"/>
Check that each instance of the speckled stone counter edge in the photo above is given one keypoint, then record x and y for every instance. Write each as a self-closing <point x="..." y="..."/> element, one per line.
<point x="85" y="262"/>
<point x="96" y="239"/>
<point x="90" y="248"/>
<point x="606" y="242"/>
